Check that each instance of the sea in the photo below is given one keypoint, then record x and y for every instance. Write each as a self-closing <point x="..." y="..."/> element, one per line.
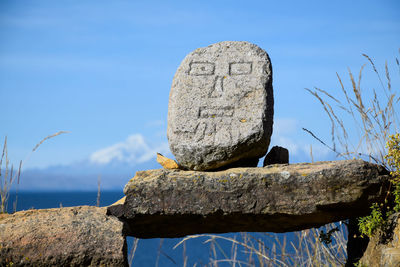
<point x="231" y="249"/>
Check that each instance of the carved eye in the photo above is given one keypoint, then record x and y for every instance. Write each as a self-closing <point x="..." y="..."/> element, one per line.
<point x="240" y="68"/>
<point x="201" y="68"/>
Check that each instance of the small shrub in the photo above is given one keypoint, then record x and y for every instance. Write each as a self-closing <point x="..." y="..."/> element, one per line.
<point x="379" y="213"/>
<point x="393" y="156"/>
<point x="369" y="224"/>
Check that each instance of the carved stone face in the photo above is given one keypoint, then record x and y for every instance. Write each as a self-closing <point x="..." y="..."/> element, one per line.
<point x="219" y="108"/>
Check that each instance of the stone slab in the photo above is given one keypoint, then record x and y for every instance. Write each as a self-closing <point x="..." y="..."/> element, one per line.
<point x="275" y="198"/>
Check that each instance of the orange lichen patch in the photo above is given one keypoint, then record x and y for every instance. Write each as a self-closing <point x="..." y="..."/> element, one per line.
<point x="166" y="162"/>
<point x="121" y="201"/>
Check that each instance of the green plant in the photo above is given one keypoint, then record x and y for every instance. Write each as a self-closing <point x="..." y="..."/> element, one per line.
<point x="380" y="213"/>
<point x="8" y="176"/>
<point x="369" y="224"/>
<point x="360" y="264"/>
<point x="393" y="156"/>
<point x="396" y="193"/>
<point x="393" y="162"/>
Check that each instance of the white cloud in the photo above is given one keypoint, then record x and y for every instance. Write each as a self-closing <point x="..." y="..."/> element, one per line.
<point x="288" y="134"/>
<point x="134" y="149"/>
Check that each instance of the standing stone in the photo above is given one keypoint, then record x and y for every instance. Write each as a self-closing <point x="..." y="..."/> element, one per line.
<point x="221" y="106"/>
<point x="277" y="155"/>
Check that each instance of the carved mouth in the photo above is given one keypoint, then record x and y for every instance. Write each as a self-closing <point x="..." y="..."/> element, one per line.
<point x="217" y="112"/>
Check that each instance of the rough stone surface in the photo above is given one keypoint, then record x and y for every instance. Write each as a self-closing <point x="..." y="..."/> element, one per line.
<point x="276" y="198"/>
<point x="384" y="247"/>
<point x="221" y="106"/>
<point x="277" y="155"/>
<point x="75" y="236"/>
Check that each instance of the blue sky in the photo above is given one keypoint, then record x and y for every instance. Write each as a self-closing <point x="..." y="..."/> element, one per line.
<point x="103" y="69"/>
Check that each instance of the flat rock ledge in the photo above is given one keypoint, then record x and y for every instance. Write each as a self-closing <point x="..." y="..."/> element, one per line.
<point x="75" y="236"/>
<point x="275" y="198"/>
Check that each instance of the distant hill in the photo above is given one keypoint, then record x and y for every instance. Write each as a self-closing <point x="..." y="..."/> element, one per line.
<point x="82" y="176"/>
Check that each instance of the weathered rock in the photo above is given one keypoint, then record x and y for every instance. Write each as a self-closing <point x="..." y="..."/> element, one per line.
<point x="276" y="198"/>
<point x="166" y="162"/>
<point x="221" y="106"/>
<point x="117" y="208"/>
<point x="75" y="236"/>
<point x="384" y="247"/>
<point x="277" y="155"/>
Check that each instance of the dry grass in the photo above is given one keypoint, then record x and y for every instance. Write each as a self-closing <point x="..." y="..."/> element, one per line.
<point x="371" y="116"/>
<point x="369" y="122"/>
<point x="306" y="249"/>
<point x="8" y="176"/>
<point x="98" y="191"/>
<point x="371" y="113"/>
<point x="132" y="252"/>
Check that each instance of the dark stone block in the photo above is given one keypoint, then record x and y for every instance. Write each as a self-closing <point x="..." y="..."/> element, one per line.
<point x="277" y="155"/>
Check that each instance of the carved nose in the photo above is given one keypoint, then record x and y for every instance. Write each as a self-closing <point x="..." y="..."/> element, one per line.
<point x="218" y="87"/>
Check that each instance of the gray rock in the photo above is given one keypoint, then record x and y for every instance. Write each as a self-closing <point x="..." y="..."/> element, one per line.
<point x="277" y="155"/>
<point x="276" y="198"/>
<point x="75" y="236"/>
<point x="221" y="106"/>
